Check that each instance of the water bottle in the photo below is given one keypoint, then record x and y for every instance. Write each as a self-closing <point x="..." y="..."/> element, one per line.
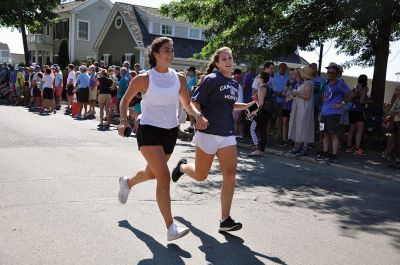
<point x="127" y="131"/>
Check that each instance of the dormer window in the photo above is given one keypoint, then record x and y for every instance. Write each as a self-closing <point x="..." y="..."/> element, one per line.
<point x="166" y="29"/>
<point x="194" y="33"/>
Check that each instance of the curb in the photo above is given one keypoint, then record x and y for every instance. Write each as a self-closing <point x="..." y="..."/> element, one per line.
<point x="394" y="178"/>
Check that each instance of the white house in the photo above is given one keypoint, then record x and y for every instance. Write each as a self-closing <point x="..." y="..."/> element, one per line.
<point x="4" y="53"/>
<point x="78" y="22"/>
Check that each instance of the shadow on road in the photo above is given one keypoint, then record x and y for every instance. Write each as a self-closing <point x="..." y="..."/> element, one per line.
<point x="161" y="255"/>
<point x="360" y="203"/>
<point x="233" y="251"/>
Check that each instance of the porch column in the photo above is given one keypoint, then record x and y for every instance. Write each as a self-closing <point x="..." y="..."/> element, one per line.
<point x="142" y="58"/>
<point x="36" y="56"/>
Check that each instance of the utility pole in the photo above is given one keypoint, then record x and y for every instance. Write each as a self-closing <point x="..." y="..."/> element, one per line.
<point x="321" y="51"/>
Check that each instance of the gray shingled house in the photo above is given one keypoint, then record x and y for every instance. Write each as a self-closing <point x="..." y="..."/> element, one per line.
<point x="129" y="29"/>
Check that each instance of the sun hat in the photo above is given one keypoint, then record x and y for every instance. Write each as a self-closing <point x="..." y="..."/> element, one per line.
<point x="335" y="65"/>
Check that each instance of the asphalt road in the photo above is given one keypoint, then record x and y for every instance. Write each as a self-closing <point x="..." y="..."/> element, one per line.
<point x="58" y="205"/>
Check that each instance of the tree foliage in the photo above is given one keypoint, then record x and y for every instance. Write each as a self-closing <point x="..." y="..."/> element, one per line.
<point x="264" y="29"/>
<point x="31" y="14"/>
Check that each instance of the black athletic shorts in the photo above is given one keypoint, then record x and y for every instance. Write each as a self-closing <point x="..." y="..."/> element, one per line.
<point x="331" y="123"/>
<point x="148" y="135"/>
<point x="83" y="96"/>
<point x="36" y="92"/>
<point x="356" y="116"/>
<point x="70" y="90"/>
<point x="48" y="93"/>
<point x="286" y="113"/>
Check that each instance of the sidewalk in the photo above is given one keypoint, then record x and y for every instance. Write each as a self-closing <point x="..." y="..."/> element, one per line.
<point x="370" y="164"/>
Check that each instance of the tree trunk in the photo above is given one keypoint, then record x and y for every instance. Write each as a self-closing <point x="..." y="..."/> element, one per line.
<point x="380" y="66"/>
<point x="25" y="42"/>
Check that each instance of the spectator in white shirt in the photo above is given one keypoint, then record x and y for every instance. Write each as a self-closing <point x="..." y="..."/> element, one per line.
<point x="48" y="91"/>
<point x="71" y="80"/>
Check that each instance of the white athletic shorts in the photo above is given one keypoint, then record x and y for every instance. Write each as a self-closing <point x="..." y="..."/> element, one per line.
<point x="210" y="143"/>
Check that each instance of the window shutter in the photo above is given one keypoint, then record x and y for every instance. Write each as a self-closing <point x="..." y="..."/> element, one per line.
<point x="132" y="61"/>
<point x="123" y="59"/>
<point x="110" y="61"/>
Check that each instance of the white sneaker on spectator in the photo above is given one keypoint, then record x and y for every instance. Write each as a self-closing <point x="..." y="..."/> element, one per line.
<point x="123" y="189"/>
<point x="175" y="231"/>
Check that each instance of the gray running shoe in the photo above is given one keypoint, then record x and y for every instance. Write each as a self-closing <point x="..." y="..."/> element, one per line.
<point x="123" y="190"/>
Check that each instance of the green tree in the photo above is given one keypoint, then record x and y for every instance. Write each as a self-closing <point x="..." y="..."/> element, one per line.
<point x="23" y="14"/>
<point x="63" y="55"/>
<point x="264" y="29"/>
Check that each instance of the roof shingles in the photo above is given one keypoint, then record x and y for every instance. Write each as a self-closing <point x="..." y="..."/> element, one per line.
<point x="184" y="48"/>
<point x="4" y="46"/>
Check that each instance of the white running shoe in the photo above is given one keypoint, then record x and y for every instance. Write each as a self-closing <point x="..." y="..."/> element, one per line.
<point x="175" y="231"/>
<point x="123" y="189"/>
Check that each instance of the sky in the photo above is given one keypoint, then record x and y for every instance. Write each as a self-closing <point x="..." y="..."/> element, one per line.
<point x="14" y="40"/>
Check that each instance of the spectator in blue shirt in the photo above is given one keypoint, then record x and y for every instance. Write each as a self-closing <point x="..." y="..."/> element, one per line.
<point x="248" y="80"/>
<point x="336" y="94"/>
<point x="122" y="85"/>
<point x="92" y="92"/>
<point x="190" y="83"/>
<point x="3" y="73"/>
<point x="13" y="77"/>
<point x="83" y="80"/>
<point x="127" y="65"/>
<point x="280" y="81"/>
<point x="190" y="78"/>
<point x="319" y="82"/>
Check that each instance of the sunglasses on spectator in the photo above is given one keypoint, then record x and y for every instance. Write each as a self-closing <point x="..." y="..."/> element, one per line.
<point x="331" y="72"/>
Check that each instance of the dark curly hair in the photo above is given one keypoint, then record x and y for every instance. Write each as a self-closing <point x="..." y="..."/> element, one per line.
<point x="155" y="46"/>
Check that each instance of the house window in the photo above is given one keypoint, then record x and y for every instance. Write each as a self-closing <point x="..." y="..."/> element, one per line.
<point x="106" y="58"/>
<point x="194" y="33"/>
<point x="118" y="22"/>
<point x="61" y="30"/>
<point x="5" y="54"/>
<point x="128" y="57"/>
<point x="65" y="34"/>
<point x="166" y="29"/>
<point x="83" y="30"/>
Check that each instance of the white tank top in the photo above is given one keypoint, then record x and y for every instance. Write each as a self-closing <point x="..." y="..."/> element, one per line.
<point x="161" y="101"/>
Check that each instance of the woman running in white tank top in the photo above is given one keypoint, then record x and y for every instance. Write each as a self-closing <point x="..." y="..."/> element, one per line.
<point x="161" y="89"/>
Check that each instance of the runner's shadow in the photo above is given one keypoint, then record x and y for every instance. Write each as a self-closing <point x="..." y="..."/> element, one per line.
<point x="161" y="255"/>
<point x="233" y="251"/>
